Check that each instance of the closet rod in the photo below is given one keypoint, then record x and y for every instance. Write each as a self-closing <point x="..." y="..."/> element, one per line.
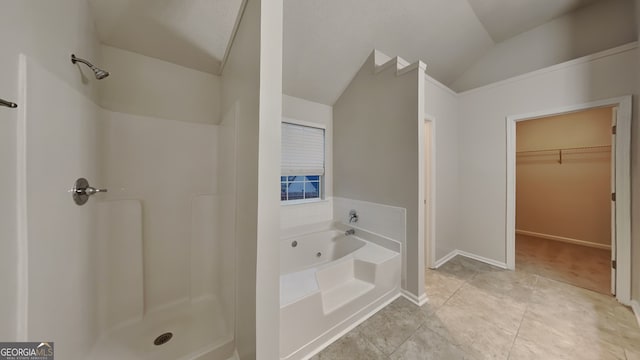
<point x="565" y="149"/>
<point x="560" y="151"/>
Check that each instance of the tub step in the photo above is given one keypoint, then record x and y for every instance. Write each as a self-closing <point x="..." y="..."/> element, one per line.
<point x="296" y="286"/>
<point x="344" y="293"/>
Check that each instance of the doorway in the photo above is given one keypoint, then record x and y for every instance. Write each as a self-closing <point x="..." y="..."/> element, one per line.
<point x="563" y="197"/>
<point x="616" y="234"/>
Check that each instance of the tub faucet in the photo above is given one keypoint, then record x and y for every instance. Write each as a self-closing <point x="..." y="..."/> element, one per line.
<point x="349" y="232"/>
<point x="353" y="216"/>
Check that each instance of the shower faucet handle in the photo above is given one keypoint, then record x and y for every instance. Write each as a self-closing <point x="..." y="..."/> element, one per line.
<point x="81" y="191"/>
<point x="353" y="216"/>
<point x="91" y="190"/>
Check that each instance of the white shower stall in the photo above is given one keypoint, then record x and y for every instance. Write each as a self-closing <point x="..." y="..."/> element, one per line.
<point x="154" y="255"/>
<point x="174" y="260"/>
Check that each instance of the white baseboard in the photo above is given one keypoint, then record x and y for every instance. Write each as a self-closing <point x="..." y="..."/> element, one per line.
<point x="635" y="306"/>
<point x="414" y="299"/>
<point x="445" y="258"/>
<point x="563" y="239"/>
<point x="483" y="259"/>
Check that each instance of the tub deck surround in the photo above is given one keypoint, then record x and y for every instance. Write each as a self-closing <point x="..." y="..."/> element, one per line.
<point x="328" y="283"/>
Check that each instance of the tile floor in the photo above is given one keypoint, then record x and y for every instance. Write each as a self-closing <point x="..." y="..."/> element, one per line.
<point x="583" y="266"/>
<point x="476" y="311"/>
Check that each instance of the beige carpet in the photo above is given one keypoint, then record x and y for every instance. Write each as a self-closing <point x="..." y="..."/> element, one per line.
<point x="577" y="265"/>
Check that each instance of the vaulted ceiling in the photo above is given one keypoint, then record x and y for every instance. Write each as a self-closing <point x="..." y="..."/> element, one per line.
<point x="191" y="33"/>
<point x="326" y="41"/>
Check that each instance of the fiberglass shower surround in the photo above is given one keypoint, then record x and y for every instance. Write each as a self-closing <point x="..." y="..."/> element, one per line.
<point x="145" y="259"/>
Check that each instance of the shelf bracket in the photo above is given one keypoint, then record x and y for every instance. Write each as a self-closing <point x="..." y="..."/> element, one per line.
<point x="560" y="156"/>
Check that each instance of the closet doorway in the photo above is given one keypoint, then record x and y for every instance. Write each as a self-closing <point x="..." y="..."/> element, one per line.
<point x="563" y="197"/>
<point x="568" y="199"/>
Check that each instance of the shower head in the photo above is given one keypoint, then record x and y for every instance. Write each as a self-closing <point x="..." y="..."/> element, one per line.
<point x="99" y="73"/>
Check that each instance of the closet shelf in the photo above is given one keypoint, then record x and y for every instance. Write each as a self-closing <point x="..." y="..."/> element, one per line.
<point x="563" y="151"/>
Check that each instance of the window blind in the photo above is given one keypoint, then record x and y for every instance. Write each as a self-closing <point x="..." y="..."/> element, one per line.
<point x="302" y="150"/>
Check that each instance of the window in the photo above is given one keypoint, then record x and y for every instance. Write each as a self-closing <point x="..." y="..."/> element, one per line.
<point x="302" y="169"/>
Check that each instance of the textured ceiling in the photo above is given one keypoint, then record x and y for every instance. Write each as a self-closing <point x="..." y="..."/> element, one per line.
<point x="191" y="33"/>
<point x="507" y="18"/>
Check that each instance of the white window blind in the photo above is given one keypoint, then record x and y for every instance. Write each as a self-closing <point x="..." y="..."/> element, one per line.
<point x="302" y="150"/>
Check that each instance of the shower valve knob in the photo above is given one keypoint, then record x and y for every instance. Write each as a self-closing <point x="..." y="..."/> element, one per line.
<point x="81" y="191"/>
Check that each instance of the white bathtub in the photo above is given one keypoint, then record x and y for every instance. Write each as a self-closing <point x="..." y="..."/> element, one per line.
<point x="312" y="250"/>
<point x="328" y="283"/>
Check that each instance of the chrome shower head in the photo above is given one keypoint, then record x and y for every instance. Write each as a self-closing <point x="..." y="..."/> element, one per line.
<point x="99" y="73"/>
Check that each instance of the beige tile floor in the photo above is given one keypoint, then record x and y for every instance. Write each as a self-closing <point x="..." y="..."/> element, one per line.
<point x="476" y="311"/>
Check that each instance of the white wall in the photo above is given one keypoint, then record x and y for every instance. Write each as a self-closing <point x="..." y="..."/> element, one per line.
<point x="252" y="84"/>
<point x="268" y="263"/>
<point x="227" y="154"/>
<point x="442" y="104"/>
<point x="48" y="32"/>
<point x="309" y="111"/>
<point x="482" y="142"/>
<point x="58" y="131"/>
<point x="377" y="142"/>
<point x="142" y="85"/>
<point x="635" y="184"/>
<point x="600" y="26"/>
<point x="165" y="164"/>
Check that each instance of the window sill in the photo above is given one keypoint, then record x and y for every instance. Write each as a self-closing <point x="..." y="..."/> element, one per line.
<point x="302" y="202"/>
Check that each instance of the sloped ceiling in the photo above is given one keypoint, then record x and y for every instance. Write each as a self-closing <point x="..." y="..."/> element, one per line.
<point x="191" y="33"/>
<point x="326" y="41"/>
<point x="504" y="19"/>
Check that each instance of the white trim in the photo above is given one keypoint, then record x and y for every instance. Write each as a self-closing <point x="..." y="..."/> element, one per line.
<point x="581" y="60"/>
<point x="482" y="259"/>
<point x="469" y="255"/>
<point x="22" y="288"/>
<point x="443" y="260"/>
<point x="304" y="201"/>
<point x="418" y="65"/>
<point x="635" y="306"/>
<point x="346" y="330"/>
<point x="232" y="38"/>
<point x="431" y="261"/>
<point x="564" y="239"/>
<point x="304" y="123"/>
<point x="440" y="85"/>
<point x="380" y="68"/>
<point x="419" y="301"/>
<point x="622" y="175"/>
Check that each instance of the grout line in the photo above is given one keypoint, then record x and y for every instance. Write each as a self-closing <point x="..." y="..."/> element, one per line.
<point x="535" y="287"/>
<point x="407" y="339"/>
<point x="366" y="338"/>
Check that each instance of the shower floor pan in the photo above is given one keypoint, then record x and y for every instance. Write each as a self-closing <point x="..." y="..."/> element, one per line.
<point x="198" y="332"/>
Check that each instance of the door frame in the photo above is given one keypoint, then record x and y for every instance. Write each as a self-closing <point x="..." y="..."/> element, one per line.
<point x="623" y="185"/>
<point x="430" y="196"/>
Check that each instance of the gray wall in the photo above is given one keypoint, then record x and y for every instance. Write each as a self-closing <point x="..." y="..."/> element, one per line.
<point x="376" y="150"/>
